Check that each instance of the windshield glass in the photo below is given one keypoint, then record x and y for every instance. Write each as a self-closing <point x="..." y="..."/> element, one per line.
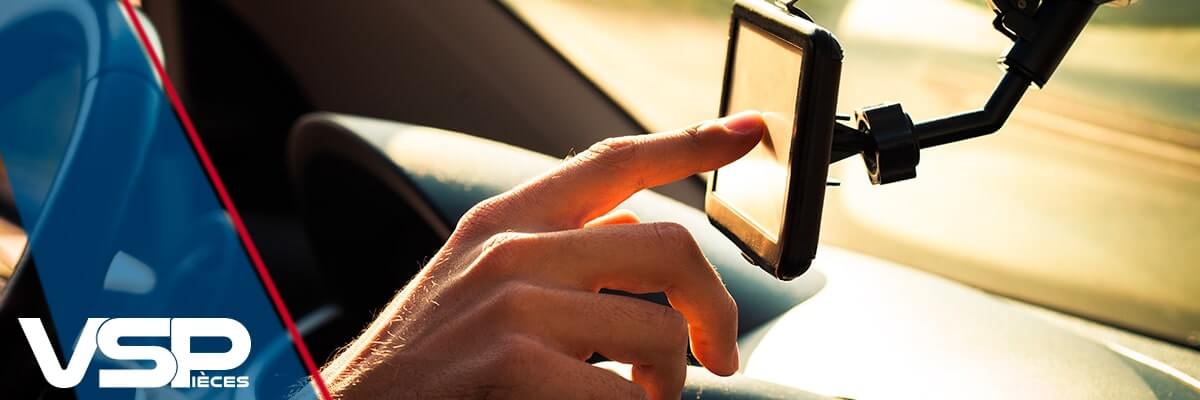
<point x="1087" y="201"/>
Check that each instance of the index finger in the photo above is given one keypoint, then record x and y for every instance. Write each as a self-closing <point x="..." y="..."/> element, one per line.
<point x="597" y="180"/>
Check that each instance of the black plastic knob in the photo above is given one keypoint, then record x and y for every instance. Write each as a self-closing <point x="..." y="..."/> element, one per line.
<point x="896" y="152"/>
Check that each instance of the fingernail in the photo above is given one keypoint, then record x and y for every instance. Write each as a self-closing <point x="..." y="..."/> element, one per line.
<point x="744" y="123"/>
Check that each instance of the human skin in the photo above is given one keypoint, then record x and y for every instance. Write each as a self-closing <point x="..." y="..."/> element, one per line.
<point x="510" y="307"/>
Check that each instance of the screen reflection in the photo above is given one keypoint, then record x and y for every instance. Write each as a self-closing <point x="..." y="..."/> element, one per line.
<point x="766" y="77"/>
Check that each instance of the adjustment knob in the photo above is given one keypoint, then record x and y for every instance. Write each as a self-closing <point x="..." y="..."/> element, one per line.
<point x="896" y="151"/>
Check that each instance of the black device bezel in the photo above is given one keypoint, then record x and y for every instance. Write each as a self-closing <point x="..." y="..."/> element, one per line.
<point x="808" y="160"/>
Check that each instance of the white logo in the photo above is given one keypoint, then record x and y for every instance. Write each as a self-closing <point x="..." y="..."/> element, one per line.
<point x="172" y="366"/>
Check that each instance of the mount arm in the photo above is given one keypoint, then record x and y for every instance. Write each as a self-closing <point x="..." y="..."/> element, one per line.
<point x="1042" y="34"/>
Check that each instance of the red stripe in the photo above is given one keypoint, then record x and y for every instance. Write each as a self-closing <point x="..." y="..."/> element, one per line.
<point x="251" y="250"/>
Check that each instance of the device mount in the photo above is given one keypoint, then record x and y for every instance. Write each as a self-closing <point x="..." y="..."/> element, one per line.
<point x="1041" y="31"/>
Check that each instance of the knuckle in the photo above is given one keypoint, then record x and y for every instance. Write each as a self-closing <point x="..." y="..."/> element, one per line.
<point x="481" y="216"/>
<point x="678" y="239"/>
<point x="675" y="326"/>
<point x="514" y="301"/>
<point x="501" y="249"/>
<point x="612" y="152"/>
<point x="692" y="133"/>
<point x="483" y="209"/>
<point x="673" y="235"/>
<point x="513" y="352"/>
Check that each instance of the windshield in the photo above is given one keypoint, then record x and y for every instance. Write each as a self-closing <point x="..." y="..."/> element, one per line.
<point x="1087" y="201"/>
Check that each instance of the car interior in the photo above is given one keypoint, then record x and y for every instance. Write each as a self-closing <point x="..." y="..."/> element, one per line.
<point x="253" y="95"/>
<point x="353" y="135"/>
<point x="337" y="210"/>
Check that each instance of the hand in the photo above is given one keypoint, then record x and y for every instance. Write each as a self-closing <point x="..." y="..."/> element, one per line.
<point x="510" y="306"/>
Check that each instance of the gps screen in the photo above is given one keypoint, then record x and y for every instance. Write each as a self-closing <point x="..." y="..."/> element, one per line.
<point x="765" y="77"/>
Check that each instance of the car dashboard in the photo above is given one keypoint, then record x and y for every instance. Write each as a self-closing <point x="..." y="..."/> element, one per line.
<point x="854" y="326"/>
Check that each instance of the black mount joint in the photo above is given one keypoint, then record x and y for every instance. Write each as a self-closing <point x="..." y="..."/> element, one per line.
<point x="1014" y="18"/>
<point x="1041" y="31"/>
<point x="895" y="153"/>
